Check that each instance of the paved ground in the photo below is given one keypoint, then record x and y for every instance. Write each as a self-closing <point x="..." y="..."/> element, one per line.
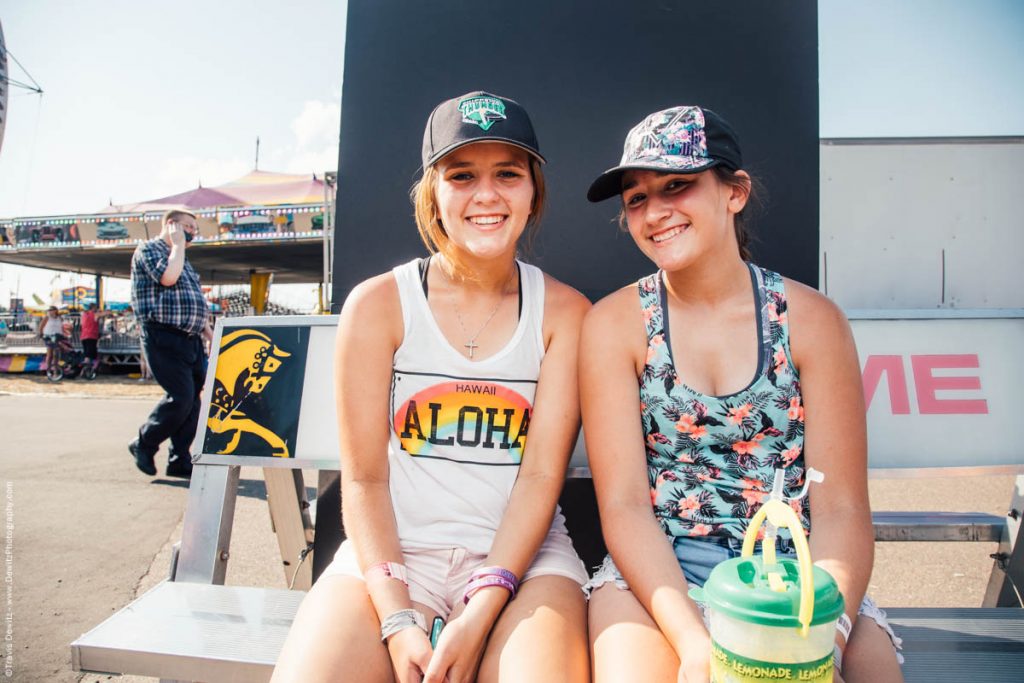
<point x="104" y="386"/>
<point x="91" y="533"/>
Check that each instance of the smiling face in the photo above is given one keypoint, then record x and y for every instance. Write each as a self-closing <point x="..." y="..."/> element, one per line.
<point x="678" y="219"/>
<point x="484" y="195"/>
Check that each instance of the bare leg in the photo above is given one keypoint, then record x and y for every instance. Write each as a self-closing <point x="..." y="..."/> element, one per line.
<point x="336" y="637"/>
<point x="869" y="656"/>
<point x="625" y="643"/>
<point x="540" y="636"/>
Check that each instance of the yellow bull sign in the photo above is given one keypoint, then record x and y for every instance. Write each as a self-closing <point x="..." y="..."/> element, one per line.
<point x="257" y="385"/>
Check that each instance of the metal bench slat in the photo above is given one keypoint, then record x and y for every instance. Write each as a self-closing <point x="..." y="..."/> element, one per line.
<point x="191" y="631"/>
<point x="981" y="645"/>
<point x="937" y="526"/>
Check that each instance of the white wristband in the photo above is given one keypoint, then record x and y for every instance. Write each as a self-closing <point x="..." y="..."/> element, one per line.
<point x="844" y="626"/>
<point x="399" y="621"/>
<point x="837" y="659"/>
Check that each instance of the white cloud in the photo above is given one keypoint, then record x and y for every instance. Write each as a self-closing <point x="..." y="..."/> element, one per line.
<point x="180" y="174"/>
<point x="315" y="148"/>
<point x="317" y="125"/>
<point x="325" y="159"/>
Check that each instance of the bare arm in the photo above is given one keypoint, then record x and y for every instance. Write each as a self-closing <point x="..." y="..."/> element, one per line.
<point x="612" y="352"/>
<point x="369" y="331"/>
<point x="554" y="426"/>
<point x="176" y="259"/>
<point x="835" y="441"/>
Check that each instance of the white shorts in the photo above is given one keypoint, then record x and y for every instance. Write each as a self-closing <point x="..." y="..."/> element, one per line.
<point x="438" y="577"/>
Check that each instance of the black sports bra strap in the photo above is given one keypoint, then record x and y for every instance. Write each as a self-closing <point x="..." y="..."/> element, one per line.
<point x="424" y="267"/>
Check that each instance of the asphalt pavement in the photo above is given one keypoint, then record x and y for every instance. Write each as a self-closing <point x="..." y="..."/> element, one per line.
<point x="90" y="532"/>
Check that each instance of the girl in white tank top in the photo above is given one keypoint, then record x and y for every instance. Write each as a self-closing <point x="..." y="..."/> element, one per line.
<point x="458" y="409"/>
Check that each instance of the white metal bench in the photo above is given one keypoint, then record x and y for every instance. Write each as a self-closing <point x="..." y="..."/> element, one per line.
<point x="192" y="627"/>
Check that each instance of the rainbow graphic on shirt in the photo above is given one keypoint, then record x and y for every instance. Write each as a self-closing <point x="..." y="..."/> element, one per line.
<point x="475" y="421"/>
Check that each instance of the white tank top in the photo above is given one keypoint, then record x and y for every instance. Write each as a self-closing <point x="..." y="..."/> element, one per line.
<point x="53" y="326"/>
<point x="459" y="427"/>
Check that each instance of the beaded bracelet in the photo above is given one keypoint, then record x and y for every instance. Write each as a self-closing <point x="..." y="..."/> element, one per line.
<point x="399" y="621"/>
<point x="388" y="570"/>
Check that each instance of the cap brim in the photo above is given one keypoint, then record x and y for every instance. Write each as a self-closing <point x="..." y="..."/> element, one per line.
<point x="458" y="145"/>
<point x="609" y="183"/>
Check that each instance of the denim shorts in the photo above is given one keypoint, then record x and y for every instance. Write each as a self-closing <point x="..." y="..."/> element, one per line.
<point x="698" y="556"/>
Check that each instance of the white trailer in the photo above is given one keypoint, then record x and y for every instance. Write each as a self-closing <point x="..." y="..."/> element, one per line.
<point x="922" y="223"/>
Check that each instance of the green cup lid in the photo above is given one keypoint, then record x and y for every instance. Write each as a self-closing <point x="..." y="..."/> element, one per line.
<point x="739" y="587"/>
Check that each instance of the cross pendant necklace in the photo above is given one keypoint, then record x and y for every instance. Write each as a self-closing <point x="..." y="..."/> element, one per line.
<point x="471" y="344"/>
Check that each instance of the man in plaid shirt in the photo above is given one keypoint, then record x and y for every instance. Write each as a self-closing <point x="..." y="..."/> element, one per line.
<point x="175" y="321"/>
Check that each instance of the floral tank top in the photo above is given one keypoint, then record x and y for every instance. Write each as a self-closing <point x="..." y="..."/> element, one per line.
<point x="711" y="459"/>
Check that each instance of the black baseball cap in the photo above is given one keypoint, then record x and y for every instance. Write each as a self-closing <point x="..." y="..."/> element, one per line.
<point x="476" y="117"/>
<point x="684" y="139"/>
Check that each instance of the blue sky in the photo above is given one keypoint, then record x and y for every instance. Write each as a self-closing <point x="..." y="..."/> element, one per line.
<point x="145" y="99"/>
<point x="921" y="68"/>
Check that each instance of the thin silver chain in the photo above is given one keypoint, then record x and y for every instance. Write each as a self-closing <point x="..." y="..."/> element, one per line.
<point x="471" y="342"/>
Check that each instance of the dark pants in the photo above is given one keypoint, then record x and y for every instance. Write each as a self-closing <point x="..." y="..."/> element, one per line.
<point x="89" y="349"/>
<point x="178" y="364"/>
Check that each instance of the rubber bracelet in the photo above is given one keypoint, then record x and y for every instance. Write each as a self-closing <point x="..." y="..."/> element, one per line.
<point x="487" y="582"/>
<point x="492" y="580"/>
<point x="388" y="570"/>
<point x="844" y="626"/>
<point x="495" y="571"/>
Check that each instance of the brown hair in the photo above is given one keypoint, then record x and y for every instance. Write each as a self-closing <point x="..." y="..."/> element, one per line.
<point x="428" y="219"/>
<point x="741" y="221"/>
<point x="175" y="214"/>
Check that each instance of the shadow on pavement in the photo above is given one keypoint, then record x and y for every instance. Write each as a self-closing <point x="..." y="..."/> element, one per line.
<point x="248" y="488"/>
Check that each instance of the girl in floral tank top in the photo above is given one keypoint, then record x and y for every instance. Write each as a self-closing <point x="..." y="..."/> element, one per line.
<point x="711" y="459"/>
<point x="694" y="393"/>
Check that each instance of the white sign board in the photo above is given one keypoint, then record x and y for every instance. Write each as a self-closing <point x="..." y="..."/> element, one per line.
<point x="940" y="392"/>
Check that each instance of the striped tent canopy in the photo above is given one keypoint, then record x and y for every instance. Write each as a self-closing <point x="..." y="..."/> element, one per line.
<point x="256" y="188"/>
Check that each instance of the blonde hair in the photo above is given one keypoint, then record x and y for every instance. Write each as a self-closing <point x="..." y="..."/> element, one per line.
<point x="428" y="218"/>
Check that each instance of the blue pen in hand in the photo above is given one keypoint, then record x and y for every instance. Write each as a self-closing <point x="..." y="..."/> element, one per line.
<point x="435" y="630"/>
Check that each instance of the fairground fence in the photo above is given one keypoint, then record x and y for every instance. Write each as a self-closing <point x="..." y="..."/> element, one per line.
<point x="118" y="344"/>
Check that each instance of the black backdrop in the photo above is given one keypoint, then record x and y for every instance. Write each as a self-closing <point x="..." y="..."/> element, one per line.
<point x="586" y="71"/>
